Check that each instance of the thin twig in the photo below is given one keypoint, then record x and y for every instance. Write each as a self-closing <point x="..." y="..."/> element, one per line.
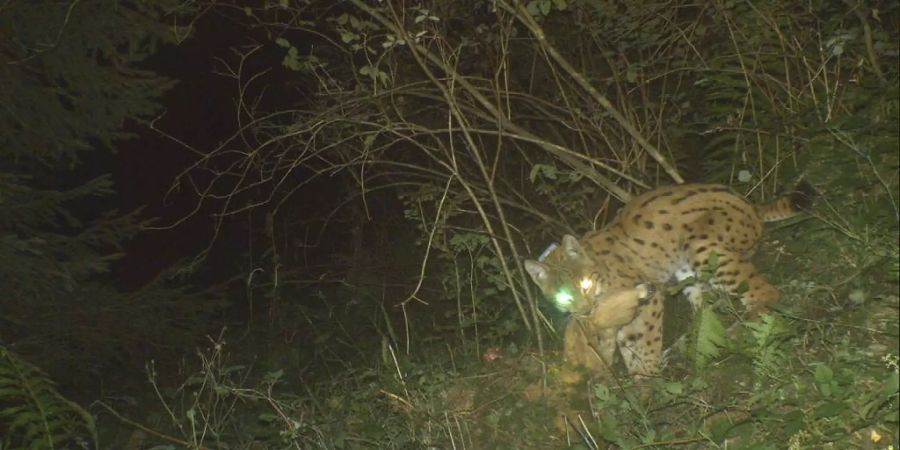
<point x="148" y="430"/>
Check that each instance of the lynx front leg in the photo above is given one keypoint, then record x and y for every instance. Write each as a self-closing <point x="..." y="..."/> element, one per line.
<point x="590" y="348"/>
<point x="640" y="342"/>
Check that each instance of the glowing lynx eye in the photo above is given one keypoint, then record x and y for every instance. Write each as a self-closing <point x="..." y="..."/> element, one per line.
<point x="563" y="299"/>
<point x="586" y="284"/>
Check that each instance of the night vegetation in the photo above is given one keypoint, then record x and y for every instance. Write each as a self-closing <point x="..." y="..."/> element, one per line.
<point x="354" y="185"/>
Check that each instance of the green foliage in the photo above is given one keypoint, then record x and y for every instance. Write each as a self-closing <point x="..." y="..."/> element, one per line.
<point x="226" y="403"/>
<point x="708" y="337"/>
<point x="33" y="415"/>
<point x="543" y="7"/>
<point x="70" y="83"/>
<point x="37" y="258"/>
<point x="769" y="335"/>
<point x="750" y="93"/>
<point x="72" y="74"/>
<point x="565" y="190"/>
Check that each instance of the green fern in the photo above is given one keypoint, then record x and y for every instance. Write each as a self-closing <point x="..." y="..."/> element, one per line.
<point x="33" y="415"/>
<point x="708" y="337"/>
<point x="769" y="333"/>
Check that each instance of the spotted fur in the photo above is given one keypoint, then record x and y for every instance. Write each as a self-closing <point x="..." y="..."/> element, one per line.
<point x="668" y="232"/>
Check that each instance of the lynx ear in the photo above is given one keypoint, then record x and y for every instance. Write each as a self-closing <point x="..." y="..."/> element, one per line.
<point x="571" y="247"/>
<point x="539" y="272"/>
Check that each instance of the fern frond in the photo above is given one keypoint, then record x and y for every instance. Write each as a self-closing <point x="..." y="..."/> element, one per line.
<point x="769" y="333"/>
<point x="33" y="414"/>
<point x="709" y="337"/>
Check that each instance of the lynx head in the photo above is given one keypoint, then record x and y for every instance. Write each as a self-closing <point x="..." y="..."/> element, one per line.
<point x="567" y="276"/>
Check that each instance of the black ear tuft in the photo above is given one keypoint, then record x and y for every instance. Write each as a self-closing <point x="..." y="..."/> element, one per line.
<point x="804" y="196"/>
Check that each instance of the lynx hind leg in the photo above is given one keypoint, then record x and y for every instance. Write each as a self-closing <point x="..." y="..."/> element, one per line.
<point x="640" y="342"/>
<point x="732" y="273"/>
<point x="760" y="294"/>
<point x="734" y="270"/>
<point x="619" y="308"/>
<point x="592" y="350"/>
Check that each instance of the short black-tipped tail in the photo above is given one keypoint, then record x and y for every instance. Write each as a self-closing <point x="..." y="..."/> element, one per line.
<point x="800" y="199"/>
<point x="804" y="196"/>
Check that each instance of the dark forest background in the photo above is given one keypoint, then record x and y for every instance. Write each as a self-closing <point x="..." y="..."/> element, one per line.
<point x="301" y="224"/>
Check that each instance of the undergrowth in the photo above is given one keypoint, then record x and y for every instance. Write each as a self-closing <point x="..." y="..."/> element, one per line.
<point x="489" y="141"/>
<point x="821" y="372"/>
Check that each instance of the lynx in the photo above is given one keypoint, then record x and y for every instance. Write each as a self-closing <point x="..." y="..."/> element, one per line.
<point x="605" y="279"/>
